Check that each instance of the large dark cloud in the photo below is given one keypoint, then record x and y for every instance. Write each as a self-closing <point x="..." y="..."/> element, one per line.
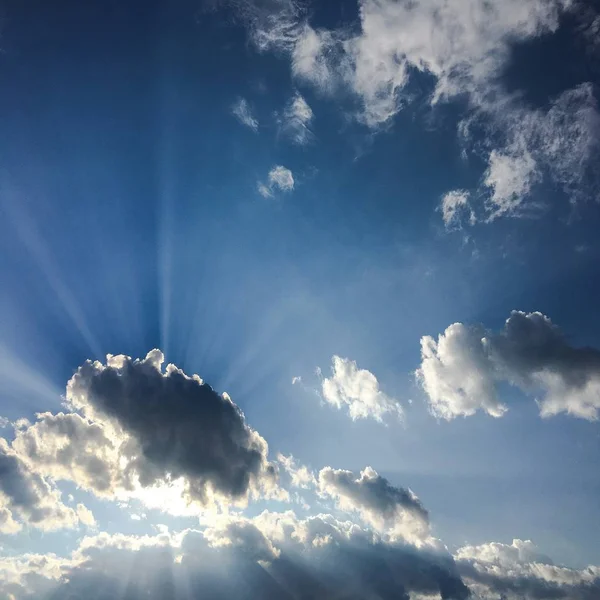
<point x="172" y="426"/>
<point x="460" y="370"/>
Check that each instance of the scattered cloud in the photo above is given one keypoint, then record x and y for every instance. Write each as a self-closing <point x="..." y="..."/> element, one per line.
<point x="300" y="475"/>
<point x="357" y="390"/>
<point x="242" y="111"/>
<point x="460" y="371"/>
<point x="465" y="48"/>
<point x="280" y="179"/>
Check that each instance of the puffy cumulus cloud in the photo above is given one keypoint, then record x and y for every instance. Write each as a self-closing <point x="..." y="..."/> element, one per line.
<point x="169" y="427"/>
<point x="460" y="371"/>
<point x="243" y="113"/>
<point x="453" y="206"/>
<point x="519" y="572"/>
<point x="393" y="511"/>
<point x="274" y="555"/>
<point x="296" y="120"/>
<point x="26" y="498"/>
<point x="465" y="47"/>
<point x="357" y="390"/>
<point x="280" y="178"/>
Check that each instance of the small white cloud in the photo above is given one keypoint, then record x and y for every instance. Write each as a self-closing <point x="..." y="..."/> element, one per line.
<point x="358" y="391"/>
<point x="296" y="120"/>
<point x="86" y="517"/>
<point x="510" y="178"/>
<point x="279" y="178"/>
<point x="242" y="111"/>
<point x="296" y="380"/>
<point x="4" y="422"/>
<point x="453" y="205"/>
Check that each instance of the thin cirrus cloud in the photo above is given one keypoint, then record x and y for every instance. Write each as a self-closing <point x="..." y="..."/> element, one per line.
<point x="296" y="120"/>
<point x="465" y="48"/>
<point x="243" y="113"/>
<point x="378" y="528"/>
<point x="460" y="370"/>
<point x="280" y="179"/>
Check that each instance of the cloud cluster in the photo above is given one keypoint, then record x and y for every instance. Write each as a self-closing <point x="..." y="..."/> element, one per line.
<point x="357" y="390"/>
<point x="137" y="427"/>
<point x="519" y="572"/>
<point x="28" y="498"/>
<point x="464" y="47"/>
<point x="243" y="113"/>
<point x="460" y="371"/>
<point x="280" y="179"/>
<point x="275" y="555"/>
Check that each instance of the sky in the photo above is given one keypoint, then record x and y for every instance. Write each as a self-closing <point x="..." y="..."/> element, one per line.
<point x="298" y="299"/>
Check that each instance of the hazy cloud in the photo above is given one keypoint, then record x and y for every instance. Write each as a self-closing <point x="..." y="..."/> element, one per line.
<point x="296" y="119"/>
<point x="242" y="111"/>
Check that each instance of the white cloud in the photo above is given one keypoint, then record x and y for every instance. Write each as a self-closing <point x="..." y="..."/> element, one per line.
<point x="297" y="117"/>
<point x="358" y="391"/>
<point x="280" y="178"/>
<point x="465" y="47"/>
<point x="519" y="571"/>
<point x="460" y="371"/>
<point x="453" y="205"/>
<point x="392" y="511"/>
<point x="300" y="475"/>
<point x="242" y="111"/>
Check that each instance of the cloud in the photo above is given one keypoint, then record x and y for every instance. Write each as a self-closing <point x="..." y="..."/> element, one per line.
<point x="297" y="117"/>
<point x="300" y="475"/>
<point x="274" y="555"/>
<point x="464" y="48"/>
<point x="460" y="371"/>
<point x="395" y="512"/>
<point x="358" y="391"/>
<point x="26" y="497"/>
<point x="519" y="572"/>
<point x="280" y="178"/>
<point x="242" y="111"/>
<point x="453" y="205"/>
<point x="162" y="437"/>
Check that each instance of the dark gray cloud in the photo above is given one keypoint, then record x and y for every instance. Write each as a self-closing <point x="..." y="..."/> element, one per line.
<point x="173" y="426"/>
<point x="460" y="371"/>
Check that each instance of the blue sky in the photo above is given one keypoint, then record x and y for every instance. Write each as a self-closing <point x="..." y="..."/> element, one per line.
<point x="256" y="187"/>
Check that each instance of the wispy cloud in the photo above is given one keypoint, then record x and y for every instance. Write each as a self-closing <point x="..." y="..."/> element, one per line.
<point x="280" y="178"/>
<point x="296" y="119"/>
<point x="242" y="111"/>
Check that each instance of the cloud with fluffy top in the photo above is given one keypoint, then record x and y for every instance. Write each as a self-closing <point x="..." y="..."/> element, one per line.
<point x="140" y="428"/>
<point x="280" y="179"/>
<point x="357" y="391"/>
<point x="460" y="371"/>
